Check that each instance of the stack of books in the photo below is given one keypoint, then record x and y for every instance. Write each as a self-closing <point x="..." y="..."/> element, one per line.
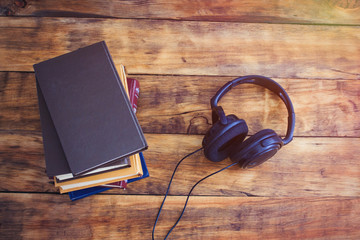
<point x="92" y="139"/>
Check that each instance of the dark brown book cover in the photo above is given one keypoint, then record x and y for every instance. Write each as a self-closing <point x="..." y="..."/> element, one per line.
<point x="89" y="108"/>
<point x="56" y="163"/>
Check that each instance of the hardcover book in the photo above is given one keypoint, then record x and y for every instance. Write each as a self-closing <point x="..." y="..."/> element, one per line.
<point x="75" y="195"/>
<point x="89" y="110"/>
<point x="103" y="178"/>
<point x="56" y="163"/>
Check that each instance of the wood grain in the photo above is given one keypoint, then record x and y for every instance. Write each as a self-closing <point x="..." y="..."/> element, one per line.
<point x="306" y="167"/>
<point x="189" y="48"/>
<point x="182" y="52"/>
<point x="26" y="216"/>
<point x="306" y="11"/>
<point x="180" y="104"/>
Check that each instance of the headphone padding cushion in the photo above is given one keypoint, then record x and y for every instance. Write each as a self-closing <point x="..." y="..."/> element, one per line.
<point x="253" y="145"/>
<point x="219" y="140"/>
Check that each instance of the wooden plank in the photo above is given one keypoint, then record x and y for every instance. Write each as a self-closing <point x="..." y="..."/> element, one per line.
<point x="19" y="104"/>
<point x="48" y="216"/>
<point x="306" y="167"/>
<point x="189" y="48"/>
<point x="306" y="11"/>
<point x="180" y="104"/>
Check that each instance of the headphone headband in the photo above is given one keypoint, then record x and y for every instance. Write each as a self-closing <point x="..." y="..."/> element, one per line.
<point x="218" y="112"/>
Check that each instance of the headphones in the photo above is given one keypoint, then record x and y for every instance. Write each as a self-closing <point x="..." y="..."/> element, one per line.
<point x="226" y="137"/>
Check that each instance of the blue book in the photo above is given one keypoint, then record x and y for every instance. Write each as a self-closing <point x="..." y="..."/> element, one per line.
<point x="75" y="195"/>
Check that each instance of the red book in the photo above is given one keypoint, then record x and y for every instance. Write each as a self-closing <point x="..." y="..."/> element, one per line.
<point x="134" y="90"/>
<point x="120" y="184"/>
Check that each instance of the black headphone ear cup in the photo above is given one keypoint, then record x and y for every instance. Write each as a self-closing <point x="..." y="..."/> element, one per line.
<point x="257" y="149"/>
<point x="220" y="138"/>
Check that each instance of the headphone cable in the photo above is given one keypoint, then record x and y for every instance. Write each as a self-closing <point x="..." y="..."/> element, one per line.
<point x="188" y="196"/>
<point x="167" y="191"/>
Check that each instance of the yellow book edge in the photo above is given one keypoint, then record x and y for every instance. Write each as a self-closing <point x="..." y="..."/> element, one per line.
<point x="123" y="79"/>
<point x="104" y="178"/>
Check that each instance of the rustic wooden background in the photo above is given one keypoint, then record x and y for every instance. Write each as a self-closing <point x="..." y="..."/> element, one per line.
<point x="182" y="51"/>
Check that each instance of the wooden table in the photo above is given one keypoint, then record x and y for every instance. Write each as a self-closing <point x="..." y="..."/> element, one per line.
<point x="182" y="51"/>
